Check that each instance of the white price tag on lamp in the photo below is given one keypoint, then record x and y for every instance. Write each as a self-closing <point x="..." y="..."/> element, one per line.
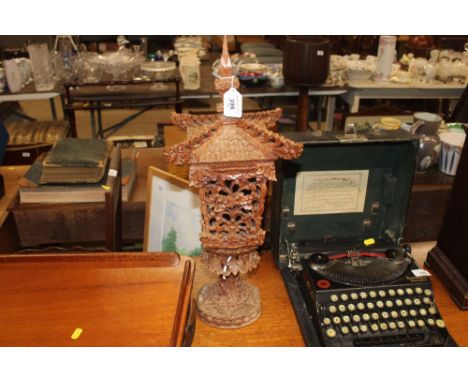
<point x="232" y="103"/>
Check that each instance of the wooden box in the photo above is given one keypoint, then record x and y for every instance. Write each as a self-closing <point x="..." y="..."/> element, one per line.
<point x="97" y="299"/>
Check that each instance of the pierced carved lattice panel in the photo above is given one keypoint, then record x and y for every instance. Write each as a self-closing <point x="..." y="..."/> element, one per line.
<point x="232" y="209"/>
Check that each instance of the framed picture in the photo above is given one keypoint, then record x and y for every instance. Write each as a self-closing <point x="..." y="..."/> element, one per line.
<point x="172" y="221"/>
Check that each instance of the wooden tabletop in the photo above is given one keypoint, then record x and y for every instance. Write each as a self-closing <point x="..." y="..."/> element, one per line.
<point x="277" y="326"/>
<point x="94" y="299"/>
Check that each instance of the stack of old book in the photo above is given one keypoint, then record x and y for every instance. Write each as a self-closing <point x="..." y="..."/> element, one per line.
<point x="74" y="171"/>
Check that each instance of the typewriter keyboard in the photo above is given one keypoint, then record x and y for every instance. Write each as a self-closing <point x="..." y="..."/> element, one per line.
<point x="401" y="315"/>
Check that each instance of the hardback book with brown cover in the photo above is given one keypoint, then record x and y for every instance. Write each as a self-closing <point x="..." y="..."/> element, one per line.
<point x="76" y="160"/>
<point x="31" y="191"/>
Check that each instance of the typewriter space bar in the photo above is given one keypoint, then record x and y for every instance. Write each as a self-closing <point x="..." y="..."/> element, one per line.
<point x="397" y="339"/>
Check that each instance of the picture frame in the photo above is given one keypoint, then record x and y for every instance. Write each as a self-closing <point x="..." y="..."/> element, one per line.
<point x="172" y="215"/>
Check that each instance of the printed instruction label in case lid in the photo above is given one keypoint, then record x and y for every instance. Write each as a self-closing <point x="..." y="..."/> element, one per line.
<point x="232" y="103"/>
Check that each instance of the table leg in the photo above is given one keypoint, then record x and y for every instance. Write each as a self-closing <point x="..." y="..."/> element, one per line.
<point x="93" y="123"/>
<point x="354" y="108"/>
<point x="330" y="112"/>
<point x="62" y="104"/>
<point x="100" y="128"/>
<point x="318" y="105"/>
<point x="302" y="118"/>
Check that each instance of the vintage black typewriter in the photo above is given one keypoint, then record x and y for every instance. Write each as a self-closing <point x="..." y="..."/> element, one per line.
<point x="337" y="221"/>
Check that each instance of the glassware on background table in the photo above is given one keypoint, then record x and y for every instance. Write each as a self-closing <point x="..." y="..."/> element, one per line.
<point x="13" y="75"/>
<point x="190" y="70"/>
<point x="88" y="67"/>
<point x="144" y="46"/>
<point x="123" y="65"/>
<point x="158" y="70"/>
<point x="41" y="65"/>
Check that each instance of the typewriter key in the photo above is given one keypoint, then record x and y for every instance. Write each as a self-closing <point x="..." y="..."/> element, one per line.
<point x="440" y="324"/>
<point x="344" y="297"/>
<point x="354" y="296"/>
<point x="370" y="305"/>
<point x="417" y="301"/>
<point x="403" y="313"/>
<point x="361" y="306"/>
<point x="413" y="313"/>
<point x="356" y="318"/>
<point x="346" y="319"/>
<point x="421" y="323"/>
<point x="379" y="304"/>
<point x="428" y="292"/>
<point x="432" y="310"/>
<point x="427" y="300"/>
<point x="342" y="308"/>
<point x="400" y="292"/>
<point x="363" y="328"/>
<point x="418" y="290"/>
<point x="363" y="295"/>
<point x="355" y="329"/>
<point x="375" y="316"/>
<point x="374" y="327"/>
<point x="326" y="321"/>
<point x="344" y="330"/>
<point x="351" y="307"/>
<point x="389" y="303"/>
<point x="372" y="294"/>
<point x="411" y="323"/>
<point x="383" y="326"/>
<point x="398" y="302"/>
<point x="332" y="309"/>
<point x="391" y="292"/>
<point x="394" y="314"/>
<point x="331" y="333"/>
<point x="409" y="291"/>
<point x="401" y="325"/>
<point x="365" y="317"/>
<point x="336" y="320"/>
<point x="385" y="315"/>
<point x="334" y="298"/>
<point x="423" y="312"/>
<point x="392" y="325"/>
<point x="382" y="293"/>
<point x="430" y="322"/>
<point x="408" y="302"/>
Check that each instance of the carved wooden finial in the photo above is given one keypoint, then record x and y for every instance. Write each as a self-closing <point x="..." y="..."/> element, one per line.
<point x="225" y="65"/>
<point x="226" y="78"/>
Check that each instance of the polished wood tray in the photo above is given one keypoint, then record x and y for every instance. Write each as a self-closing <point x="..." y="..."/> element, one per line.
<point x="114" y="299"/>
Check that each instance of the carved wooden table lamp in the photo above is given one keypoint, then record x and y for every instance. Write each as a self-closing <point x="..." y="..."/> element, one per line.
<point x="231" y="160"/>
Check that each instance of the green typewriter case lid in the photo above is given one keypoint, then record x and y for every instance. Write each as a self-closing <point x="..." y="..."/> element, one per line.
<point x="343" y="190"/>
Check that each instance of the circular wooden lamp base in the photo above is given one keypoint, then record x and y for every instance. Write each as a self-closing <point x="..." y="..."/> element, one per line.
<point x="229" y="303"/>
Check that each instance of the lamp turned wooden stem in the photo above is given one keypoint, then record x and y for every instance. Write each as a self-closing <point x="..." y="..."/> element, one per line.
<point x="302" y="121"/>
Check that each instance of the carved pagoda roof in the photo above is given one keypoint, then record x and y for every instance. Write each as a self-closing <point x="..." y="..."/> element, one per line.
<point x="230" y="144"/>
<point x="232" y="139"/>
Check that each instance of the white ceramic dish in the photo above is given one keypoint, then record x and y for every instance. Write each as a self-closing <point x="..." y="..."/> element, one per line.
<point x="358" y="75"/>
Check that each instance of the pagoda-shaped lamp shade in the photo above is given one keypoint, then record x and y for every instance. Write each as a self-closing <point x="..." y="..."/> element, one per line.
<point x="231" y="161"/>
